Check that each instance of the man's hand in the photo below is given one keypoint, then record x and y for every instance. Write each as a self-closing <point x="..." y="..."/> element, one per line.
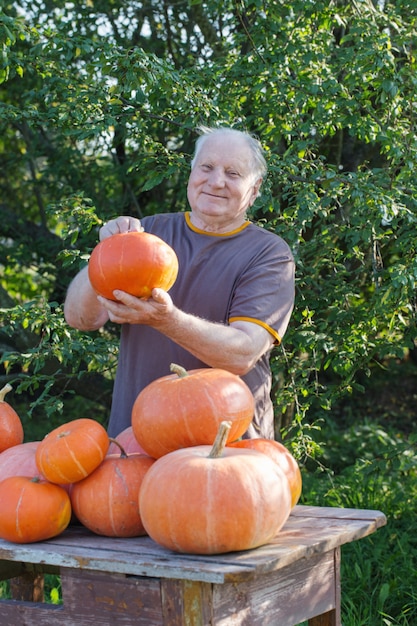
<point x="131" y="310"/>
<point x="122" y="224"/>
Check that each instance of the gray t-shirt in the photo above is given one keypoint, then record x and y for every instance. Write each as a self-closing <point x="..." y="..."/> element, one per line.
<point x="247" y="274"/>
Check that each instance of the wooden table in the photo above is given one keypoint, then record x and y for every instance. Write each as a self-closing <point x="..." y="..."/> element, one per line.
<point x="111" y="582"/>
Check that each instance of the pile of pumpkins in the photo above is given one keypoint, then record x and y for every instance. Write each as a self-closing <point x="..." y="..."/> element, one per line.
<point x="180" y="473"/>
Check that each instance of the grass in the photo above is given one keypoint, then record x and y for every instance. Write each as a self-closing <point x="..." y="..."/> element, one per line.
<point x="369" y="461"/>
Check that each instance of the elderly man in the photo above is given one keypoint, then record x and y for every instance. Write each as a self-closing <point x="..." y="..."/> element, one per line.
<point x="234" y="293"/>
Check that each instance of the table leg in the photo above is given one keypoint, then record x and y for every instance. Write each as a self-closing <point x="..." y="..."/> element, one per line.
<point x="28" y="586"/>
<point x="333" y="617"/>
<point x="327" y="619"/>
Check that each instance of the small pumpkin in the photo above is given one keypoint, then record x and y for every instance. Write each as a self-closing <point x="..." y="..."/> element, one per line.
<point x="185" y="409"/>
<point x="19" y="460"/>
<point x="32" y="509"/>
<point x="211" y="500"/>
<point x="72" y="451"/>
<point x="282" y="456"/>
<point x="127" y="440"/>
<point x="11" y="428"/>
<point x="134" y="262"/>
<point x="107" y="501"/>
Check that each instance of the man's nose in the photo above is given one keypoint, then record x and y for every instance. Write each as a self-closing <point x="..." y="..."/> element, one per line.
<point x="217" y="178"/>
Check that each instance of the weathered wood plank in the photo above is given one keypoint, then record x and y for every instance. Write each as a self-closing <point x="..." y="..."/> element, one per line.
<point x="329" y="512"/>
<point x="120" y="582"/>
<point x="111" y="599"/>
<point x="90" y="598"/>
<point x="187" y="603"/>
<point x="14" y="613"/>
<point x="10" y="570"/>
<point x="285" y="597"/>
<point x="306" y="533"/>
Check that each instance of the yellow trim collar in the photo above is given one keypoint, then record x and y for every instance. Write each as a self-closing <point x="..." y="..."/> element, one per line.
<point x="204" y="232"/>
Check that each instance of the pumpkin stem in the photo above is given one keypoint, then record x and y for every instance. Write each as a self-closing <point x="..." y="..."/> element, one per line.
<point x="220" y="441"/>
<point x="178" y="370"/>
<point x="4" y="390"/>
<point x="123" y="452"/>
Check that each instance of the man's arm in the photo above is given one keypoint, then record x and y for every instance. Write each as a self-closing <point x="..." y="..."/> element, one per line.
<point x="235" y="348"/>
<point x="82" y="309"/>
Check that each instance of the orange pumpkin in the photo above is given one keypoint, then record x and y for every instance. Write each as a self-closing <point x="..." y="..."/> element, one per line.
<point x="19" y="460"/>
<point x="11" y="429"/>
<point x="107" y="501"/>
<point x="204" y="500"/>
<point x="127" y="440"/>
<point x="283" y="457"/>
<point x="32" y="509"/>
<point x="72" y="451"/>
<point x="185" y="409"/>
<point x="135" y="262"/>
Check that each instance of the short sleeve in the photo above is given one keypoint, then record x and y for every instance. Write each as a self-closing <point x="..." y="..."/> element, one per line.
<point x="264" y="293"/>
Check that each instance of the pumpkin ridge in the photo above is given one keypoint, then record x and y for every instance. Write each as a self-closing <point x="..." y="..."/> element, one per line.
<point x="173" y="536"/>
<point x="96" y="444"/>
<point x="214" y="412"/>
<point x="211" y="513"/>
<point x="188" y="418"/>
<point x="254" y="492"/>
<point x="100" y="264"/>
<point x="121" y="255"/>
<point x="76" y="462"/>
<point x="18" y="507"/>
<point x="112" y="520"/>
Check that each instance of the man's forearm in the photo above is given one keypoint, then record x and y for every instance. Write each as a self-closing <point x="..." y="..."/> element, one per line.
<point x="235" y="348"/>
<point x="82" y="310"/>
<point x="218" y="345"/>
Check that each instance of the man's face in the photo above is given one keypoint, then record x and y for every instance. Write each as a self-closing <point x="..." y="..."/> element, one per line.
<point x="221" y="186"/>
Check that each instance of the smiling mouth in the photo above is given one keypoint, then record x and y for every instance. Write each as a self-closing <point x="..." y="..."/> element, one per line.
<point x="214" y="195"/>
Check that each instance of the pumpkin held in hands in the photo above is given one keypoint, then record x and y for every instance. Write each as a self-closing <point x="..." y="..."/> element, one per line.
<point x="282" y="456"/>
<point x="11" y="429"/>
<point x="185" y="409"/>
<point x="32" y="509"/>
<point x="134" y="262"/>
<point x="72" y="451"/>
<point x="210" y="500"/>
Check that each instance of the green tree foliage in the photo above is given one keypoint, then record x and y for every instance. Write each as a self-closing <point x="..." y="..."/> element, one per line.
<point x="99" y="105"/>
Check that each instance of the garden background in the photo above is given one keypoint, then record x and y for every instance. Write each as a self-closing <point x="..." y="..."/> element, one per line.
<point x="99" y="107"/>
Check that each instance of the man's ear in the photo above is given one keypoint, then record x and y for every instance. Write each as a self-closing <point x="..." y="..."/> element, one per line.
<point x="255" y="191"/>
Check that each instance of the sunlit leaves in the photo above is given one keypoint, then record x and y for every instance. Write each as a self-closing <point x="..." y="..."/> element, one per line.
<point x="104" y="123"/>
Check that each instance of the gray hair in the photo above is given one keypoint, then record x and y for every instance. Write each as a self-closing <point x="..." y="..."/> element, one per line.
<point x="253" y="143"/>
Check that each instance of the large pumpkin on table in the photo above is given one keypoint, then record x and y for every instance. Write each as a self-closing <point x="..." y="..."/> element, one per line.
<point x="185" y="409"/>
<point x="11" y="428"/>
<point x="280" y="455"/>
<point x="134" y="262"/>
<point x="32" y="509"/>
<point x="210" y="500"/>
<point x="72" y="451"/>
<point x="107" y="501"/>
